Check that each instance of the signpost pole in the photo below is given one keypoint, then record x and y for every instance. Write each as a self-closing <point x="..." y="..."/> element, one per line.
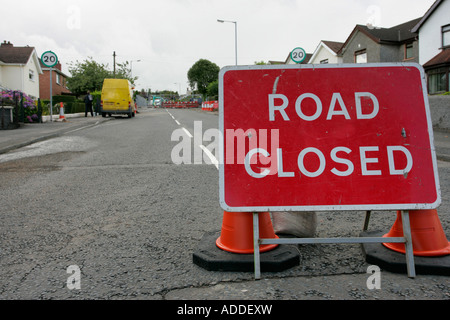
<point x="50" y="59"/>
<point x="51" y="96"/>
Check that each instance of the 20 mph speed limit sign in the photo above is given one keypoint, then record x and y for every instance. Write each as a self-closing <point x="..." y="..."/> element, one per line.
<point x="298" y="55"/>
<point x="49" y="59"/>
<point x="326" y="137"/>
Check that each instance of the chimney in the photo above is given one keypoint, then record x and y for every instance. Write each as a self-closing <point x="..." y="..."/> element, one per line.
<point x="7" y="44"/>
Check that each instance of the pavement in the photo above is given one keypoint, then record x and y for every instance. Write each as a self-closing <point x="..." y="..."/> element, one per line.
<point x="30" y="133"/>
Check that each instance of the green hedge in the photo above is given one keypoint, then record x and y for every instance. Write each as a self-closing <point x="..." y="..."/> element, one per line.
<point x="71" y="105"/>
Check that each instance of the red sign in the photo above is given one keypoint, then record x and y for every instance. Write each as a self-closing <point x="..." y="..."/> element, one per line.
<point x="341" y="137"/>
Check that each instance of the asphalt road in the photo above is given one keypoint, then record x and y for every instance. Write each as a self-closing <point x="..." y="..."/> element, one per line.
<point x="109" y="202"/>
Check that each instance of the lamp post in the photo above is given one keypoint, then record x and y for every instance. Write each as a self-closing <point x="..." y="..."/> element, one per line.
<point x="235" y="35"/>
<point x="131" y="67"/>
<point x="179" y="86"/>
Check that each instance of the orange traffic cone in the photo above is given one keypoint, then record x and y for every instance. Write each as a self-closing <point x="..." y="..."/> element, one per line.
<point x="237" y="232"/>
<point x="61" y="112"/>
<point x="428" y="237"/>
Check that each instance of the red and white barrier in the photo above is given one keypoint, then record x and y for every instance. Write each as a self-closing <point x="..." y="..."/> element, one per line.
<point x="181" y="104"/>
<point x="210" y="105"/>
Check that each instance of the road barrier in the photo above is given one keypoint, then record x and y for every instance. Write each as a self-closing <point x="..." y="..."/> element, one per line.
<point x="180" y="104"/>
<point x="210" y="106"/>
<point x="409" y="185"/>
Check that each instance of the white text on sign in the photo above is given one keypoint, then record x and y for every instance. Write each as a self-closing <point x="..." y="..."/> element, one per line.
<point x="335" y="100"/>
<point x="279" y="103"/>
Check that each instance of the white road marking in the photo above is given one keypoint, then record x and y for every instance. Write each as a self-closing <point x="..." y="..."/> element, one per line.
<point x="211" y="157"/>
<point x="188" y="133"/>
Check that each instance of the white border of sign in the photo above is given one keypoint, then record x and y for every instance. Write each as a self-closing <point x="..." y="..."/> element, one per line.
<point x="414" y="206"/>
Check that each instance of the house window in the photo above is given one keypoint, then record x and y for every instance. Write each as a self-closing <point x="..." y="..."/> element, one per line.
<point x="31" y="75"/>
<point x="409" y="51"/>
<point x="437" y="80"/>
<point x="361" y="56"/>
<point x="324" y="61"/>
<point x="58" y="80"/>
<point x="446" y="36"/>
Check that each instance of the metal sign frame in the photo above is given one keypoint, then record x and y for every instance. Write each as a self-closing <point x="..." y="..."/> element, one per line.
<point x="406" y="239"/>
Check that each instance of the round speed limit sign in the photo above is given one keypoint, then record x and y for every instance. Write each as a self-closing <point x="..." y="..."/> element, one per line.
<point x="298" y="55"/>
<point x="49" y="59"/>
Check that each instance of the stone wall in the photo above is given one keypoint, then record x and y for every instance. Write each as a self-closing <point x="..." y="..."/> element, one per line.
<point x="440" y="112"/>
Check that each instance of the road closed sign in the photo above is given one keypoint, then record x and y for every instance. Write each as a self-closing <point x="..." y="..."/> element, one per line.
<point x="326" y="138"/>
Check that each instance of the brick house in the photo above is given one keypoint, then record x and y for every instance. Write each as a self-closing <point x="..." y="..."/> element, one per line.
<point x="371" y="45"/>
<point x="59" y="81"/>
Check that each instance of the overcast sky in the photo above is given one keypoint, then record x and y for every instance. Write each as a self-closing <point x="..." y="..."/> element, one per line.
<point x="169" y="36"/>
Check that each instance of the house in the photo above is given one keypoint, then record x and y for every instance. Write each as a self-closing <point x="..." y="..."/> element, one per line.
<point x="371" y="45"/>
<point x="434" y="46"/>
<point x="19" y="69"/>
<point x="59" y="81"/>
<point x="327" y="52"/>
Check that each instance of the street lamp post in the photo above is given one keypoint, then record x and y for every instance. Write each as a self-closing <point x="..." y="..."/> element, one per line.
<point x="178" y="85"/>
<point x="131" y="67"/>
<point x="235" y="35"/>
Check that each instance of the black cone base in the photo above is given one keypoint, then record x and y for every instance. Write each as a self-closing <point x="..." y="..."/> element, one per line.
<point x="208" y="256"/>
<point x="393" y="261"/>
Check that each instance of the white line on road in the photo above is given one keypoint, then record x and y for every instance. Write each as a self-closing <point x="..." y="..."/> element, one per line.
<point x="211" y="157"/>
<point x="188" y="133"/>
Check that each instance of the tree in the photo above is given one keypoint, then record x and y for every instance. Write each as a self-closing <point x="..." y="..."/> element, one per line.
<point x="213" y="90"/>
<point x="89" y="75"/>
<point x="202" y="73"/>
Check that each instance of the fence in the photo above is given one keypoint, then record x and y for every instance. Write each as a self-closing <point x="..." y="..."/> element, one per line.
<point x="15" y="109"/>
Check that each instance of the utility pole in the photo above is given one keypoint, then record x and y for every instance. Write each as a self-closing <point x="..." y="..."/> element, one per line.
<point x="114" y="56"/>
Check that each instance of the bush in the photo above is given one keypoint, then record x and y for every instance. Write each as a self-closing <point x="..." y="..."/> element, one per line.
<point x="96" y="94"/>
<point x="29" y="111"/>
<point x="71" y="105"/>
